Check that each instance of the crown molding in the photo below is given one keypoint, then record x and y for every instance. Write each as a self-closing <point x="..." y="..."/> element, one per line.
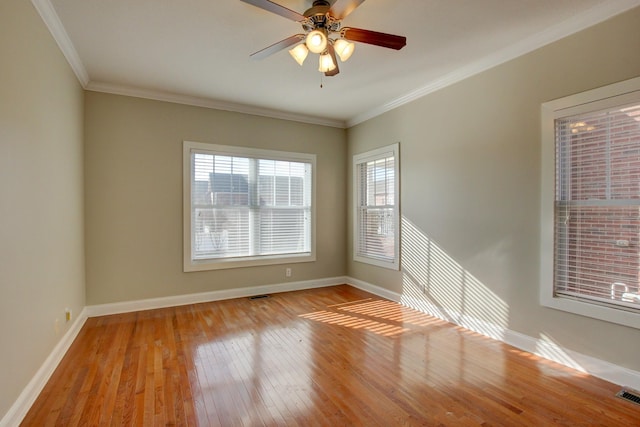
<point x="57" y="30"/>
<point x="211" y="103"/>
<point x="570" y="26"/>
<point x="576" y="23"/>
<point x="52" y="21"/>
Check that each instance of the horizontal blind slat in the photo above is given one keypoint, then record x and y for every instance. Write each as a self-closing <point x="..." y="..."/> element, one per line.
<point x="598" y="205"/>
<point x="376" y="212"/>
<point x="245" y="207"/>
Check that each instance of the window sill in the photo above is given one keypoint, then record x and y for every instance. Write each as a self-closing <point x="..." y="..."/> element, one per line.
<point x="618" y="316"/>
<point x="209" y="264"/>
<point x="390" y="265"/>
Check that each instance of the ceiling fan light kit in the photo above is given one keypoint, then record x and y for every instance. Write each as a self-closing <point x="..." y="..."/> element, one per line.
<point x="319" y="23"/>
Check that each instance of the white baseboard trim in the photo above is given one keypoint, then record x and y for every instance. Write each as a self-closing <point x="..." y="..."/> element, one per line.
<point x="376" y="290"/>
<point x="596" y="367"/>
<point x="538" y="346"/>
<point x="572" y="359"/>
<point x="21" y="406"/>
<point x="19" y="409"/>
<point x="173" y="301"/>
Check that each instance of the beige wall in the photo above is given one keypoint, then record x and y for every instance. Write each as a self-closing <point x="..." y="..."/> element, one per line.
<point x="470" y="160"/>
<point x="134" y="195"/>
<point x="41" y="196"/>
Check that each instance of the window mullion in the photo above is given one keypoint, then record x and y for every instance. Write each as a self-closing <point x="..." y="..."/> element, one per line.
<point x="237" y="214"/>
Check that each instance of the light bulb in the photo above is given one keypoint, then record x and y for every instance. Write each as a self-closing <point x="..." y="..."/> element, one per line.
<point x="299" y="53"/>
<point x="316" y="41"/>
<point x="344" y="49"/>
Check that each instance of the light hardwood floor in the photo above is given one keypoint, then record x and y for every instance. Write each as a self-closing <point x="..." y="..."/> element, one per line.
<point x="333" y="356"/>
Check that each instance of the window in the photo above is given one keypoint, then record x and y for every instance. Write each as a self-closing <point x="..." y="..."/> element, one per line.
<point x="376" y="213"/>
<point x="596" y="203"/>
<point x="246" y="207"/>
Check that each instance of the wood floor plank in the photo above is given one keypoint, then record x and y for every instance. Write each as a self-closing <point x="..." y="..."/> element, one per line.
<point x="324" y="357"/>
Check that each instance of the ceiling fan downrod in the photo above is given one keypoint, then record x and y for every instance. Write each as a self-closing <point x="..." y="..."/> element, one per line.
<point x="318" y="7"/>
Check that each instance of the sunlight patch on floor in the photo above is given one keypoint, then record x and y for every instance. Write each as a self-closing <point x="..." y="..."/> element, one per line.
<point x="353" y="322"/>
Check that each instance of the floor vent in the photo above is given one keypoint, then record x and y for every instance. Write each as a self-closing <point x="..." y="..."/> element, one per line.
<point x="630" y="395"/>
<point x="259" y="297"/>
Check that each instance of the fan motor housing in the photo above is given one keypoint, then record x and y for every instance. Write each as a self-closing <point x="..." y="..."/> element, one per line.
<point x="318" y="17"/>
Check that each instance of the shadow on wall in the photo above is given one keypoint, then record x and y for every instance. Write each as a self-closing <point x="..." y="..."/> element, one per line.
<point x="436" y="284"/>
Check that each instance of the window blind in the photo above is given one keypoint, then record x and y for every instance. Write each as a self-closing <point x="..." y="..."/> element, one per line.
<point x="248" y="207"/>
<point x="597" y="207"/>
<point x="376" y="209"/>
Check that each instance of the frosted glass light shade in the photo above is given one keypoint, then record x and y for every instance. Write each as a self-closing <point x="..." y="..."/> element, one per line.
<point x="326" y="63"/>
<point x="316" y="41"/>
<point x="344" y="49"/>
<point x="299" y="53"/>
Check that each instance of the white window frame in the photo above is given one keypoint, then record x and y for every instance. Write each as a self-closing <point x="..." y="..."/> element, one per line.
<point x="392" y="150"/>
<point x="191" y="265"/>
<point x="610" y="96"/>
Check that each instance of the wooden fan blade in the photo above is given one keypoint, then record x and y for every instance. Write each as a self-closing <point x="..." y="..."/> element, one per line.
<point x="277" y="47"/>
<point x="336" y="70"/>
<point x="342" y="8"/>
<point x="277" y="9"/>
<point x="373" y="37"/>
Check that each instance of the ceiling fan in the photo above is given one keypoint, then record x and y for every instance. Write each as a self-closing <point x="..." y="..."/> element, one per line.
<point x="324" y="34"/>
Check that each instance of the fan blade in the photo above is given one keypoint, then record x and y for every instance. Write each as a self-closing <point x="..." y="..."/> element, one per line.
<point x="373" y="37"/>
<point x="277" y="9"/>
<point x="342" y="8"/>
<point x="332" y="52"/>
<point x="277" y="47"/>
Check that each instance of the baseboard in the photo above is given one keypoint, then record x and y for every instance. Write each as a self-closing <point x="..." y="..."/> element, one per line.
<point x="19" y="409"/>
<point x="173" y="301"/>
<point x="540" y="347"/>
<point x="21" y="406"/>
<point x="376" y="290"/>
<point x="572" y="359"/>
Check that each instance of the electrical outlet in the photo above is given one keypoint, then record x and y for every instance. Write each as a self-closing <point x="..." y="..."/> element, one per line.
<point x="287" y="272"/>
<point x="68" y="314"/>
<point x="56" y="326"/>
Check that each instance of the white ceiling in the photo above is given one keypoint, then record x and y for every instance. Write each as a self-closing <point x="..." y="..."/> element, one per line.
<point x="197" y="51"/>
